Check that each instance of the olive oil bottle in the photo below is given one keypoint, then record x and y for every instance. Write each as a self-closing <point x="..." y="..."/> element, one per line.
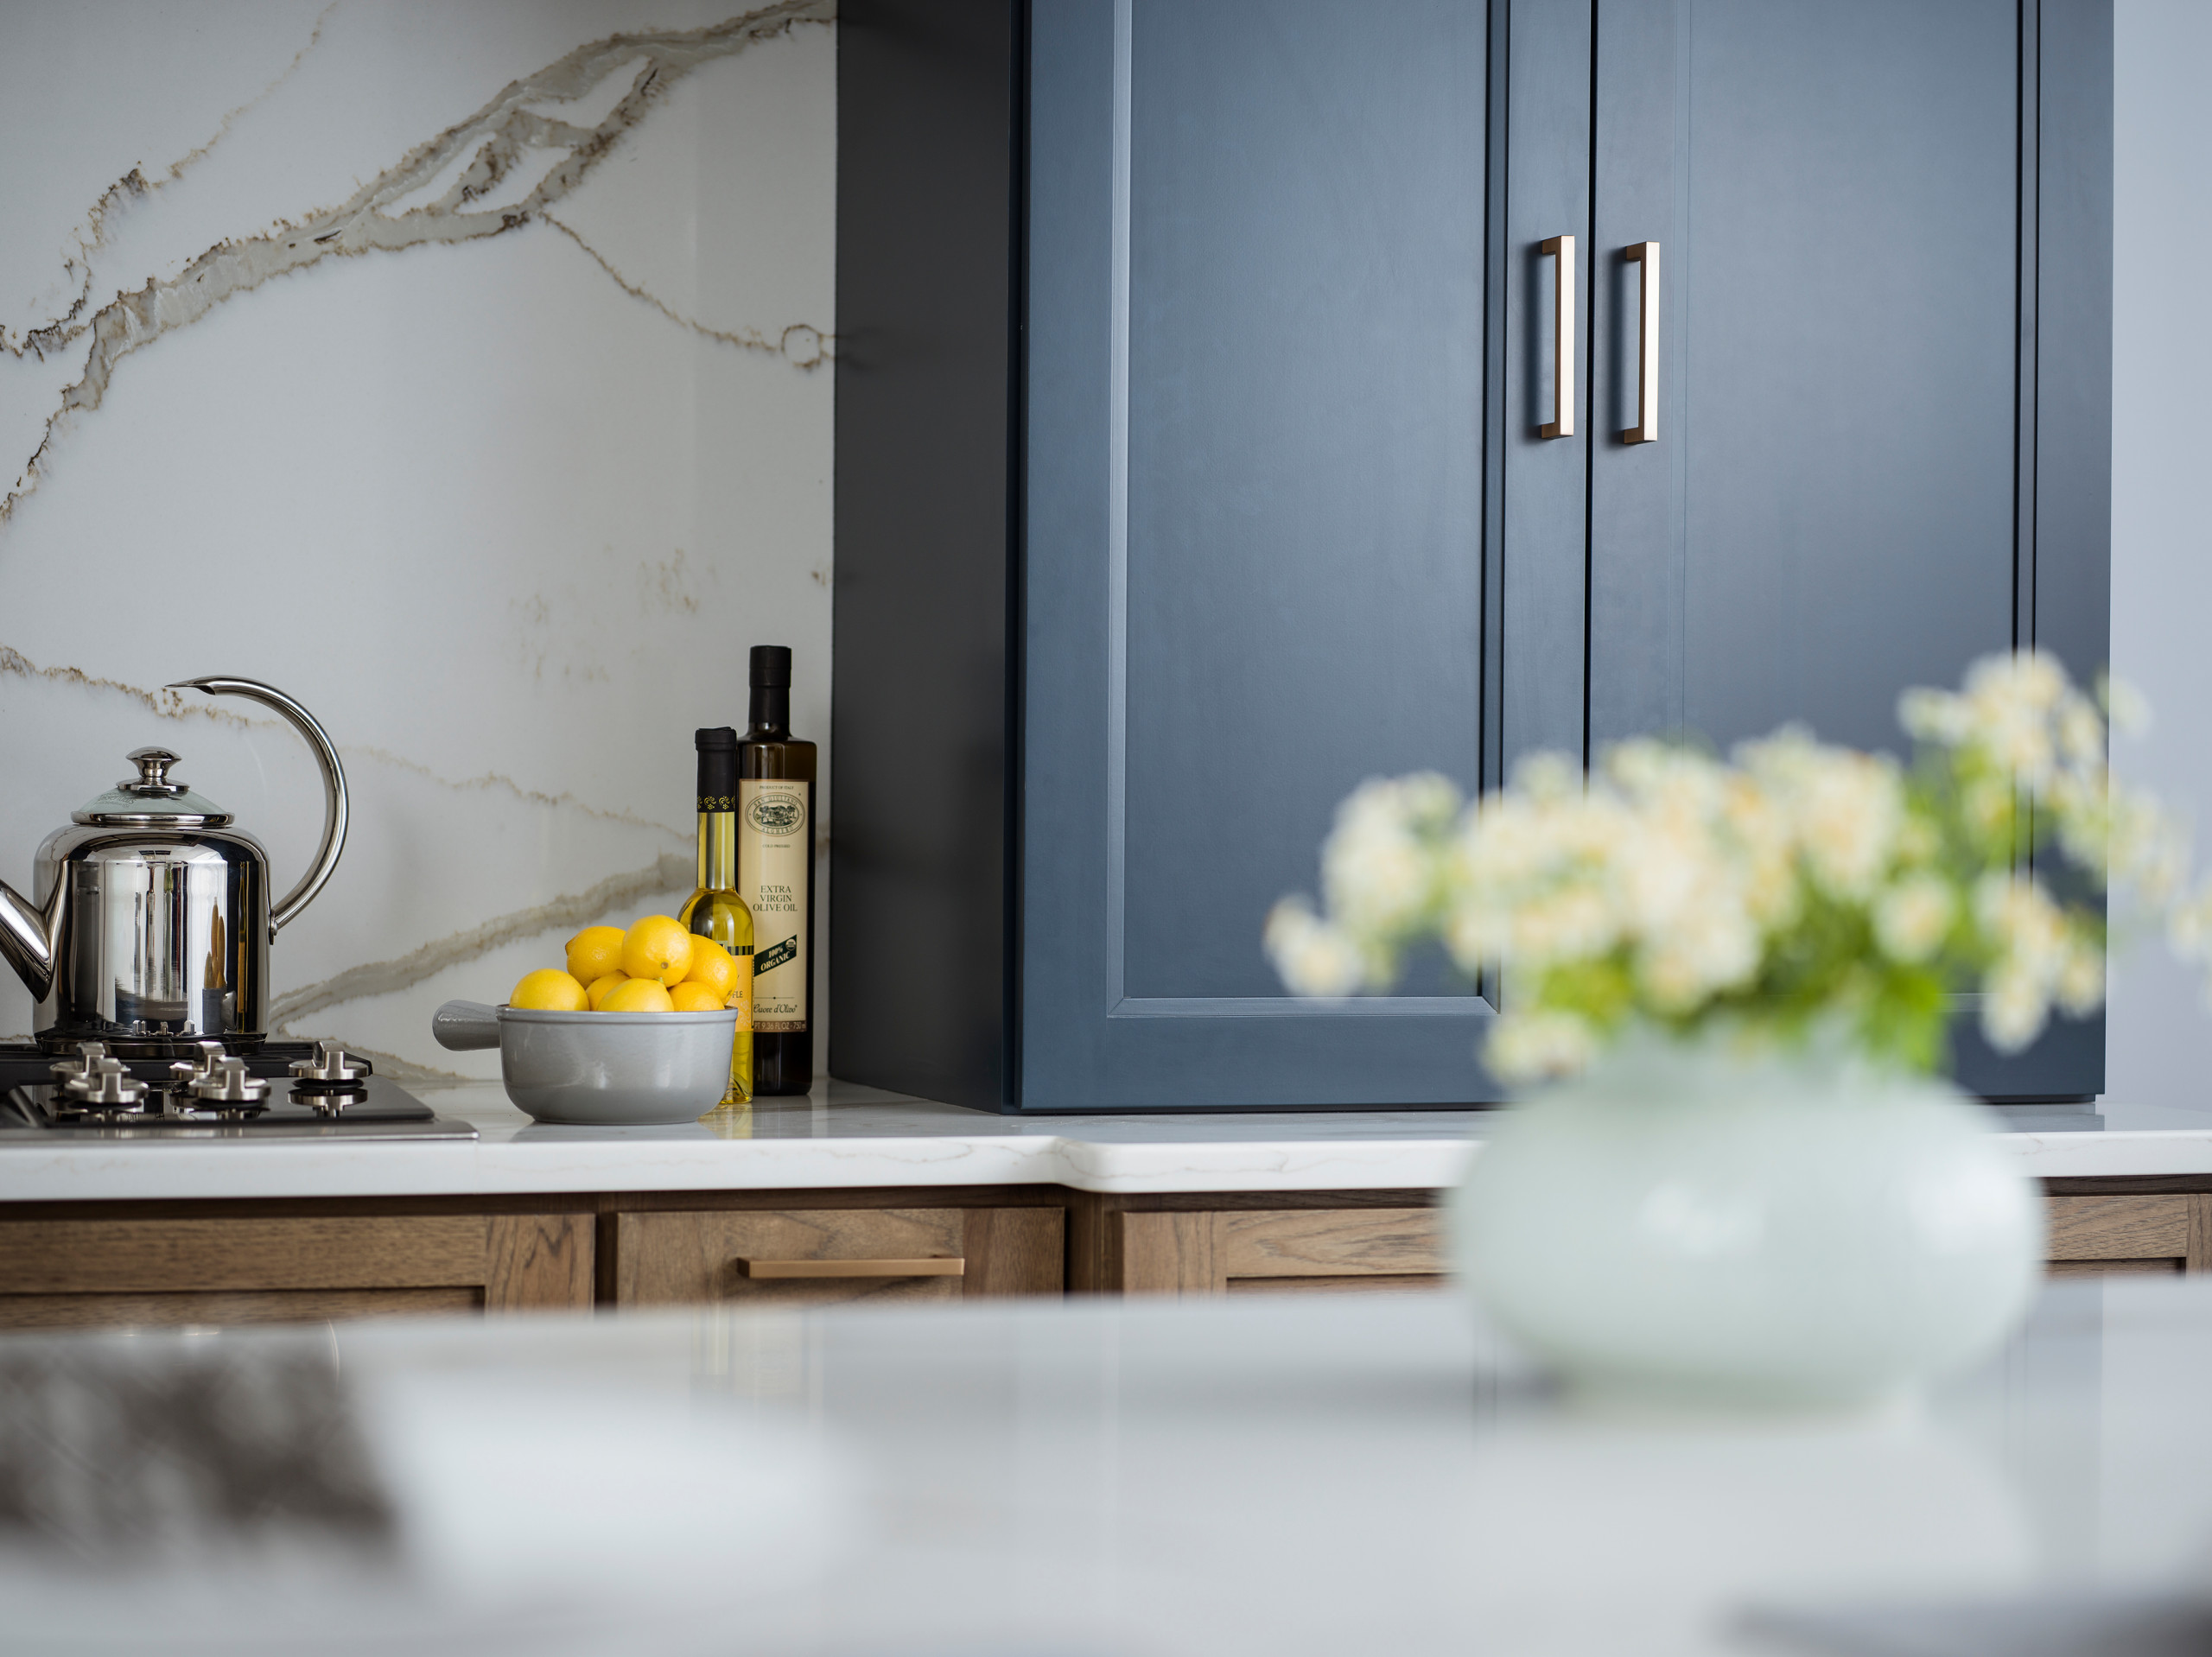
<point x="716" y="911"/>
<point x="775" y="870"/>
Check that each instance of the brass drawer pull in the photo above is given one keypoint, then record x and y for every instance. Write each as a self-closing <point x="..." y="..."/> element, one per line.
<point x="954" y="1266"/>
<point x="1560" y="251"/>
<point x="1646" y="430"/>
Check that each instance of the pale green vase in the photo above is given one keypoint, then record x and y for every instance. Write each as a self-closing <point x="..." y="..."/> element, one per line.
<point x="1687" y="1223"/>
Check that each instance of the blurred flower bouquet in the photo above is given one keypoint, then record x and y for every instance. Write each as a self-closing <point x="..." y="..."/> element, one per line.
<point x="1797" y="890"/>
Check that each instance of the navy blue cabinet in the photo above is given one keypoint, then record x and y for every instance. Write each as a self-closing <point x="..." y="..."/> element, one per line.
<point x="1196" y="365"/>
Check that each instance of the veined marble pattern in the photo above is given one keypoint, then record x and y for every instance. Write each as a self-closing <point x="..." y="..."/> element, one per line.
<point x="461" y="370"/>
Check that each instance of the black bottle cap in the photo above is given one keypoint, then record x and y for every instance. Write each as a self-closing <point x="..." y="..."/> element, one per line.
<point x="717" y="768"/>
<point x="772" y="667"/>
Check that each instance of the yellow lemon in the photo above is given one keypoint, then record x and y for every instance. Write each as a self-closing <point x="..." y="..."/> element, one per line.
<point x="712" y="967"/>
<point x="657" y="948"/>
<point x="549" y="987"/>
<point x="594" y="953"/>
<point x="604" y="987"/>
<point x="688" y="997"/>
<point x="637" y="995"/>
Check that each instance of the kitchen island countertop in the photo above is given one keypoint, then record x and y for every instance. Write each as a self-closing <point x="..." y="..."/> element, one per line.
<point x="1276" y="1476"/>
<point x="847" y="1136"/>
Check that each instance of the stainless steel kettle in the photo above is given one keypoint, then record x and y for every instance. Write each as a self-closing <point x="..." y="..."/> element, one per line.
<point x="151" y="923"/>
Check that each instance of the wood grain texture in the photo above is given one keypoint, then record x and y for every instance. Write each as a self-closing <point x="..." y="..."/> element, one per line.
<point x="1373" y="1282"/>
<point x="538" y="1262"/>
<point x="2199" y="1258"/>
<point x="129" y="1255"/>
<point x="2120" y="1227"/>
<point x="2113" y="1268"/>
<point x="1089" y="1217"/>
<point x="1174" y="1253"/>
<point x="663" y="1260"/>
<point x="1323" y="1242"/>
<point x="227" y="1307"/>
<point x="1015" y="1251"/>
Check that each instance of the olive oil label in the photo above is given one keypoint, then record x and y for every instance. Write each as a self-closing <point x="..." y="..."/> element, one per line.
<point x="775" y="860"/>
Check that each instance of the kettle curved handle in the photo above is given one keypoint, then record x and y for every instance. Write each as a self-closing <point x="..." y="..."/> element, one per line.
<point x="334" y="784"/>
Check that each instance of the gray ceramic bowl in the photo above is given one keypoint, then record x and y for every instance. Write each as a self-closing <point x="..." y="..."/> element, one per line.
<point x="600" y="1069"/>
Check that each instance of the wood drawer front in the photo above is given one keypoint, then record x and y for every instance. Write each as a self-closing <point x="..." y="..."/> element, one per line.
<point x="1253" y="1250"/>
<point x="228" y="1308"/>
<point x="84" y="1273"/>
<point x="2132" y="1233"/>
<point x="1332" y="1242"/>
<point x="692" y="1257"/>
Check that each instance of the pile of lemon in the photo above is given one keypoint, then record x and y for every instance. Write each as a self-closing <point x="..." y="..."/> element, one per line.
<point x="655" y="966"/>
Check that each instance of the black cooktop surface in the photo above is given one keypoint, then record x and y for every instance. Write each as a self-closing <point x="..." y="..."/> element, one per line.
<point x="34" y="1101"/>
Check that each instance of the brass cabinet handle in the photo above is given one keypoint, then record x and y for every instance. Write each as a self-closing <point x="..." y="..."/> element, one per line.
<point x="1561" y="424"/>
<point x="954" y="1266"/>
<point x="1646" y="430"/>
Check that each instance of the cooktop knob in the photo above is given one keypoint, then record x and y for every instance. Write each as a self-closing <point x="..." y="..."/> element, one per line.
<point x="227" y="1083"/>
<point x="70" y="1072"/>
<point x="188" y="1073"/>
<point x="107" y="1085"/>
<point x="331" y="1063"/>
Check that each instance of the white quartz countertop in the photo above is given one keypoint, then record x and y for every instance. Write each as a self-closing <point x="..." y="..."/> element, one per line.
<point x="849" y="1136"/>
<point x="1276" y="1476"/>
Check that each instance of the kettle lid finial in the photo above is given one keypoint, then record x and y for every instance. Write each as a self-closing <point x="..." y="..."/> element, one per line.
<point x="153" y="772"/>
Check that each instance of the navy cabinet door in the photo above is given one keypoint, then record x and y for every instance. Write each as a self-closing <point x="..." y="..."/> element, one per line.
<point x="1845" y="495"/>
<point x="1253" y="543"/>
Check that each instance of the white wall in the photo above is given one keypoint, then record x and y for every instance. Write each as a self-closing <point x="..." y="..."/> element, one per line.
<point x="505" y="511"/>
<point x="2160" y="1031"/>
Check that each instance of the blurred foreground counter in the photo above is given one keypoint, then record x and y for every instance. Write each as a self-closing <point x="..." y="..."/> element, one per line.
<point x="1274" y="1477"/>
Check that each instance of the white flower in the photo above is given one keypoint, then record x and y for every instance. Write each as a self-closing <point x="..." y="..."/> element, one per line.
<point x="2146" y="849"/>
<point x="2081" y="980"/>
<point x="1377" y="870"/>
<point x="1913" y="917"/>
<point x="2124" y="705"/>
<point x="1311" y="956"/>
<point x="1845" y="811"/>
<point x="2014" y="1010"/>
<point x="1935" y="716"/>
<point x="1535" y="1044"/>
<point x="2081" y="732"/>
<point x="2041" y="957"/>
<point x="1699" y="957"/>
<point x="2188" y="925"/>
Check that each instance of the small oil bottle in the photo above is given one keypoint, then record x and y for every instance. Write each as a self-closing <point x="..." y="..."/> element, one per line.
<point x="716" y="911"/>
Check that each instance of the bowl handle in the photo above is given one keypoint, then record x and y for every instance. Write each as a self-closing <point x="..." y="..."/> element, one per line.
<point x="463" y="1025"/>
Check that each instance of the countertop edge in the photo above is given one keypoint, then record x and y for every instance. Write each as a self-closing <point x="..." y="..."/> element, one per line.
<point x="80" y="1173"/>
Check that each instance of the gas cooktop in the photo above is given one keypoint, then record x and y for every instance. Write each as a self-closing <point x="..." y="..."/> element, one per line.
<point x="279" y="1090"/>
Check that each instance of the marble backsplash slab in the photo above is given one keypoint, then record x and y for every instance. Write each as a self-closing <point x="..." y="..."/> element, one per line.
<point x="502" y="481"/>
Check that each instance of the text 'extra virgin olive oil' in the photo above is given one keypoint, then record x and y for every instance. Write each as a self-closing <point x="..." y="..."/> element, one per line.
<point x="775" y="872"/>
<point x="716" y="910"/>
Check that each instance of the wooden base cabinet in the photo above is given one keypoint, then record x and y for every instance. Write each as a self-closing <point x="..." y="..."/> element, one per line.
<point x="1341" y="1241"/>
<point x="1321" y="1243"/>
<point x="814" y="1256"/>
<point x="104" y="1266"/>
<point x="138" y="1264"/>
<point x="2094" y="1232"/>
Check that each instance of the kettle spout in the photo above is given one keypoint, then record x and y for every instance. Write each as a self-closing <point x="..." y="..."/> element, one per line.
<point x="31" y="937"/>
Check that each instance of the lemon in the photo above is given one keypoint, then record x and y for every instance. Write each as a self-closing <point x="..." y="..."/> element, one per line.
<point x="594" y="953"/>
<point x="657" y="948"/>
<point x="713" y="968"/>
<point x="688" y="997"/>
<point x="550" y="989"/>
<point x="637" y="995"/>
<point x="602" y="988"/>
